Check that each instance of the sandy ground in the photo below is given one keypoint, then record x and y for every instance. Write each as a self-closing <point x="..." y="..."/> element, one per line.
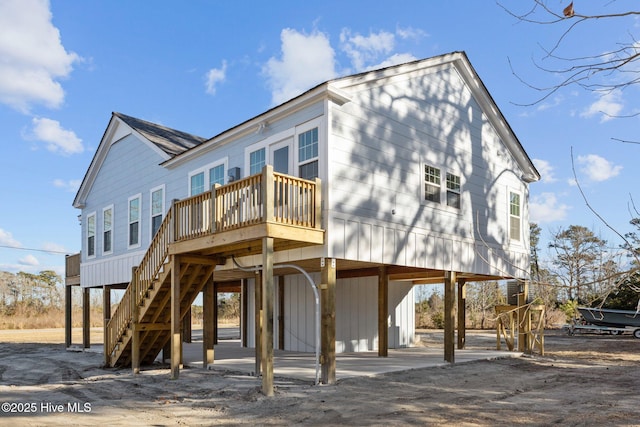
<point x="581" y="380"/>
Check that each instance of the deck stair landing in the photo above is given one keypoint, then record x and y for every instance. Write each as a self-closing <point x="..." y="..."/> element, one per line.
<point x="195" y="235"/>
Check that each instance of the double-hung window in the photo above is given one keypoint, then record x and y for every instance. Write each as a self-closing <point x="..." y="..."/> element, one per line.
<point x="157" y="209"/>
<point x="202" y="179"/>
<point x="514" y="216"/>
<point x="216" y="175"/>
<point x="257" y="160"/>
<point x="431" y="184"/>
<point x="453" y="190"/>
<point x="308" y="154"/>
<point x="107" y="230"/>
<point x="91" y="235"/>
<point x="134" y="221"/>
<point x="197" y="184"/>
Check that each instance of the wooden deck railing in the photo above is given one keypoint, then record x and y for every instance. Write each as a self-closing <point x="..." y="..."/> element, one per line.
<point x="289" y="200"/>
<point x="72" y="265"/>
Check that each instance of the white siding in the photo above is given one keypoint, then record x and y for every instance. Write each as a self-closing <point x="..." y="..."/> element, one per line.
<point x="356" y="314"/>
<point x="378" y="146"/>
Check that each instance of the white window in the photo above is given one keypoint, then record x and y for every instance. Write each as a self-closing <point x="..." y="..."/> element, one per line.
<point x="134" y="220"/>
<point x="308" y="154"/>
<point x="514" y="216"/>
<point x="157" y="209"/>
<point x="202" y="179"/>
<point x="257" y="160"/>
<point x="91" y="235"/>
<point x="216" y="175"/>
<point x="431" y="184"/>
<point x="196" y="184"/>
<point x="107" y="230"/>
<point x="453" y="190"/>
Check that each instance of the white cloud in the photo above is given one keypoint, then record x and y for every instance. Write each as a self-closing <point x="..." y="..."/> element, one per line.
<point x="6" y="239"/>
<point x="71" y="185"/>
<point x="29" y="260"/>
<point x="546" y="171"/>
<point x="410" y="33"/>
<point x="395" y="59"/>
<point x="544" y="208"/>
<point x="215" y="76"/>
<point x="608" y="106"/>
<point x="53" y="247"/>
<point x="363" y="50"/>
<point x="307" y="59"/>
<point x="33" y="57"/>
<point x="57" y="139"/>
<point x="598" y="168"/>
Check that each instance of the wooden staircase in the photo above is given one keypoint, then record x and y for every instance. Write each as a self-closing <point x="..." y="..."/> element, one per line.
<point x="195" y="236"/>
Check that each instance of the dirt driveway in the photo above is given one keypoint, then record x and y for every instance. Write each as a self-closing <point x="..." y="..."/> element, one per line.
<point x="582" y="380"/>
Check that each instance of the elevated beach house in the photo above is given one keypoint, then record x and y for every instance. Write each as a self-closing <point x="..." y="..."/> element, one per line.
<point x="324" y="212"/>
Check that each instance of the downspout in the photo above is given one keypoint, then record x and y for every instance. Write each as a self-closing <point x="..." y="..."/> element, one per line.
<point x="317" y="304"/>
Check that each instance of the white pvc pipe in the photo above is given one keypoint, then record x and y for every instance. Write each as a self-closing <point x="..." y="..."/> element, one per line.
<point x="317" y="304"/>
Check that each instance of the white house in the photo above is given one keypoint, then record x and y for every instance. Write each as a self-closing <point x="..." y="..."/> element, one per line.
<point x="373" y="183"/>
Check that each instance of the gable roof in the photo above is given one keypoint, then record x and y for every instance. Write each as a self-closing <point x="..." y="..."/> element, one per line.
<point x="171" y="141"/>
<point x="336" y="90"/>
<point x="166" y="142"/>
<point x="178" y="147"/>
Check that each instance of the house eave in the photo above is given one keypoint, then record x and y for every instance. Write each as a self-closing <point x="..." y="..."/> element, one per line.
<point x="319" y="93"/>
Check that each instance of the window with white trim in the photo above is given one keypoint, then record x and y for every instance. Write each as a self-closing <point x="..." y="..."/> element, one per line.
<point x="202" y="179"/>
<point x="308" y="154"/>
<point x="216" y="175"/>
<point x="196" y="184"/>
<point x="257" y="160"/>
<point x="134" y="220"/>
<point x="453" y="190"/>
<point x="91" y="235"/>
<point x="157" y="209"/>
<point x="514" y="216"/>
<point x="107" y="230"/>
<point x="431" y="184"/>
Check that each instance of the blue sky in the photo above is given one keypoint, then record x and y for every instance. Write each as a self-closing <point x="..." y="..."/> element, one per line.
<point x="204" y="66"/>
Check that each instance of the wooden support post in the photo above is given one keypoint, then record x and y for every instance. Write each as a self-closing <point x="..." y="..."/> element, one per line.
<point x="68" y="321"/>
<point x="258" y="322"/>
<point x="449" y="315"/>
<point x="280" y="312"/>
<point x="86" y="317"/>
<point x="135" y="331"/>
<point x="176" y="341"/>
<point x="208" y="319"/>
<point x="267" y="315"/>
<point x="244" y="313"/>
<point x="187" y="327"/>
<point x="328" y="324"/>
<point x="383" y="312"/>
<point x="524" y="319"/>
<point x="106" y="309"/>
<point x="462" y="313"/>
<point x="214" y="304"/>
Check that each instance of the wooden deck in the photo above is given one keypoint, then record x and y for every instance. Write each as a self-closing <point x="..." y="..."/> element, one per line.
<point x="197" y="234"/>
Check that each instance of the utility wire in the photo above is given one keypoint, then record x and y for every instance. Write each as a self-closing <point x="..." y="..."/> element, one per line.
<point x="33" y="249"/>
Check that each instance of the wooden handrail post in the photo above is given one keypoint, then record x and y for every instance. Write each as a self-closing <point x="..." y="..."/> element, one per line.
<point x="214" y="208"/>
<point x="173" y="226"/>
<point x="135" y="333"/>
<point x="268" y="193"/>
<point x="318" y="204"/>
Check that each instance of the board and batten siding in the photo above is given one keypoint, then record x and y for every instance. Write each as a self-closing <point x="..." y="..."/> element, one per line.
<point x="356" y="314"/>
<point x="379" y="144"/>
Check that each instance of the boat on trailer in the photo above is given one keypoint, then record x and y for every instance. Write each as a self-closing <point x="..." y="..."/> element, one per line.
<point x="608" y="320"/>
